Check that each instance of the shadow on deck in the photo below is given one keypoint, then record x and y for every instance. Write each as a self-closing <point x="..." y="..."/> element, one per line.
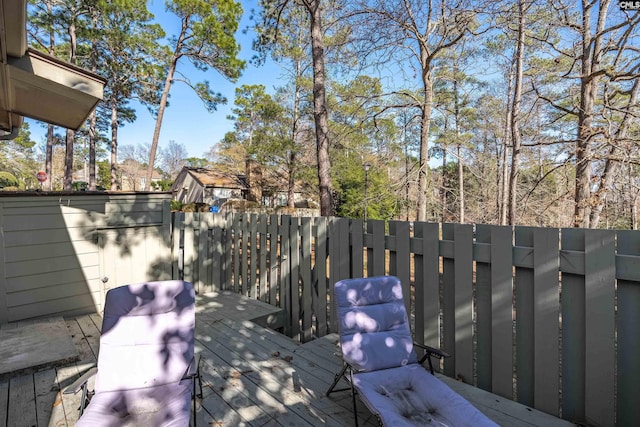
<point x="252" y="376"/>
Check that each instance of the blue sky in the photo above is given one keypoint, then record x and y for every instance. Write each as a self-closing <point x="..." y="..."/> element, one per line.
<point x="187" y="121"/>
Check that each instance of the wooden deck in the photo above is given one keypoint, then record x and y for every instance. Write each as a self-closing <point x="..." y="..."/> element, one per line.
<point x="252" y="376"/>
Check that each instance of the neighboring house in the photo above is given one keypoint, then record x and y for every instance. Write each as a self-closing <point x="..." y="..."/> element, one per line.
<point x="133" y="176"/>
<point x="279" y="198"/>
<point x="201" y="185"/>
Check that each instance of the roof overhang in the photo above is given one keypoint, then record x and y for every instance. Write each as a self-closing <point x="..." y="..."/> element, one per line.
<point x="36" y="85"/>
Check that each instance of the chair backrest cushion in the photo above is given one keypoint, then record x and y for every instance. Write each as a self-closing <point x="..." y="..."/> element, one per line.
<point x="147" y="335"/>
<point x="373" y="323"/>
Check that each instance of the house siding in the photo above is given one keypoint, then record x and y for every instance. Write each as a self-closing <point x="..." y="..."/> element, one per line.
<point x="56" y="250"/>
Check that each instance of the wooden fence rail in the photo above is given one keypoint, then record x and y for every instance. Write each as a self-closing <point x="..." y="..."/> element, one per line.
<point x="547" y="317"/>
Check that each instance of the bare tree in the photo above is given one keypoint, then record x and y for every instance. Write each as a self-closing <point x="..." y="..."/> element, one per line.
<point x="414" y="32"/>
<point x="515" y="116"/>
<point x="174" y="158"/>
<point x="603" y="53"/>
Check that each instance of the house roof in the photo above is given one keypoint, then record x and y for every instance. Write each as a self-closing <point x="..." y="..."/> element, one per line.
<point x="212" y="178"/>
<point x="36" y="85"/>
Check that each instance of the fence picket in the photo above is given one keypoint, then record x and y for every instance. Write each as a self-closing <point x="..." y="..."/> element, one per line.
<point x="547" y="319"/>
<point x="189" y="248"/>
<point x="244" y="255"/>
<point x="254" y="253"/>
<point x="600" y="275"/>
<point x="294" y="266"/>
<point x="448" y="303"/>
<point x="177" y="248"/>
<point x="525" y="323"/>
<point x="205" y="252"/>
<point x="376" y="259"/>
<point x="273" y="260"/>
<point x="427" y="284"/>
<point x="305" y="280"/>
<point x="502" y="311"/>
<point x="237" y="234"/>
<point x="357" y="248"/>
<point x="463" y="278"/>
<point x="262" y="238"/>
<point x="573" y="319"/>
<point x="320" y="276"/>
<point x="484" y="365"/>
<point x="628" y="409"/>
<point x="216" y="252"/>
<point x="285" y="273"/>
<point x="399" y="257"/>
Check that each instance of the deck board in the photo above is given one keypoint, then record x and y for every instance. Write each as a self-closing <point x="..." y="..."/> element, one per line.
<point x="22" y="402"/>
<point x="31" y="346"/>
<point x="4" y="399"/>
<point x="252" y="376"/>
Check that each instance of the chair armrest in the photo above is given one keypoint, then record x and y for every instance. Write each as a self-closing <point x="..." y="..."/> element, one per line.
<point x="80" y="382"/>
<point x="428" y="352"/>
<point x="194" y="366"/>
<point x="432" y="351"/>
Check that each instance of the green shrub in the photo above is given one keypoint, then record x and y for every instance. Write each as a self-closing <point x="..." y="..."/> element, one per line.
<point x="8" y="180"/>
<point x="175" y="205"/>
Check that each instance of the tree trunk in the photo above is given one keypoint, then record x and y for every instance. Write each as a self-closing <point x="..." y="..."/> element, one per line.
<point x="50" y="135"/>
<point x="67" y="183"/>
<point x="92" y="151"/>
<point x="515" y="114"/>
<point x="163" y="103"/>
<point x="425" y="121"/>
<point x="114" y="145"/>
<point x="92" y="118"/>
<point x="590" y="59"/>
<point x="291" y="203"/>
<point x="320" y="113"/>
<point x="71" y="135"/>
<point x="443" y="196"/>
<point x="156" y="131"/>
<point x="458" y="146"/>
<point x="460" y="185"/>
<point x="48" y="157"/>
<point x="611" y="165"/>
<point x="503" y="199"/>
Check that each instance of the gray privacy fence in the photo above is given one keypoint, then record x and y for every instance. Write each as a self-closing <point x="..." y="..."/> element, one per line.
<point x="547" y="317"/>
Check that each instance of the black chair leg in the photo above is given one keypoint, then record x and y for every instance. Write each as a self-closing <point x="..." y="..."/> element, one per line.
<point x="353" y="399"/>
<point x="336" y="379"/>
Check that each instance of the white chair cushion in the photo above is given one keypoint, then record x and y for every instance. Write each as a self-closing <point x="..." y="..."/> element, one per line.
<point x="411" y="396"/>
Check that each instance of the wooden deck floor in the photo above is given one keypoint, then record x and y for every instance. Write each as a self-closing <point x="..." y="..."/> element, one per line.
<point x="252" y="376"/>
